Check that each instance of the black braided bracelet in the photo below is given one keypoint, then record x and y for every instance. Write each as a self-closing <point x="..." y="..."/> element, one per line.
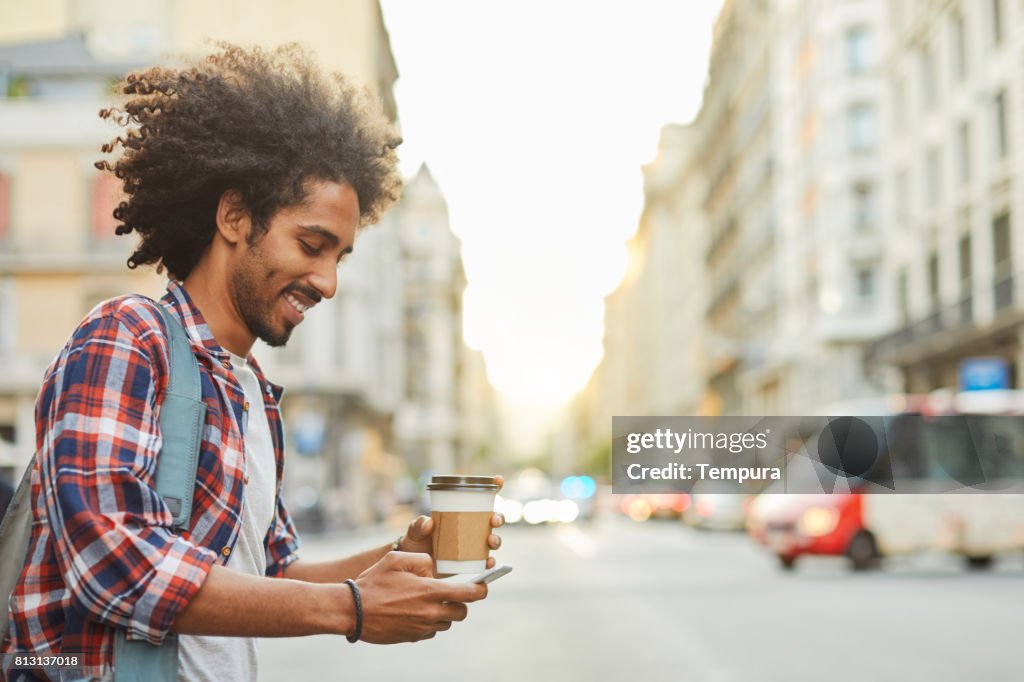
<point x="354" y="637"/>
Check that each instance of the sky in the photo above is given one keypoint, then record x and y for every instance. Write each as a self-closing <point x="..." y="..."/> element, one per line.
<point x="535" y="119"/>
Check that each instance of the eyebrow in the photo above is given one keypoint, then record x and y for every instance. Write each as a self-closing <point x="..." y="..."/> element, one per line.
<point x="326" y="234"/>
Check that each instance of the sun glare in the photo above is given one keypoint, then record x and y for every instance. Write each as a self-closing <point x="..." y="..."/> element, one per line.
<point x="539" y="154"/>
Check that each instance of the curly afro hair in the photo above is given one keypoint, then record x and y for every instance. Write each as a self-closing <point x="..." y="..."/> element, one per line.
<point x="262" y="122"/>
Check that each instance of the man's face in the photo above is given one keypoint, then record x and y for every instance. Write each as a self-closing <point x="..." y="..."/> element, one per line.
<point x="294" y="263"/>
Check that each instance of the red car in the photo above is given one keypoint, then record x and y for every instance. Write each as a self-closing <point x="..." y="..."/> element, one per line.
<point x="793" y="525"/>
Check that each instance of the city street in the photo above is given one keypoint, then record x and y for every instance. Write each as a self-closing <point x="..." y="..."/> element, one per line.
<point x="617" y="600"/>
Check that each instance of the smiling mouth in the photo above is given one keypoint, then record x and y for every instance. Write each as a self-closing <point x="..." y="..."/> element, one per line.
<point x="295" y="303"/>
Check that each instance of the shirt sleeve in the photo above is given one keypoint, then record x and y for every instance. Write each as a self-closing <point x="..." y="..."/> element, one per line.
<point x="282" y="542"/>
<point x="122" y="561"/>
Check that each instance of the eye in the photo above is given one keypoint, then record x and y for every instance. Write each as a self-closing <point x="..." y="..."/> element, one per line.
<point x="310" y="249"/>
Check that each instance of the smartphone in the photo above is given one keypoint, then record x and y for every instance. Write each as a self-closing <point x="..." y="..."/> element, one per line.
<point x="491" y="574"/>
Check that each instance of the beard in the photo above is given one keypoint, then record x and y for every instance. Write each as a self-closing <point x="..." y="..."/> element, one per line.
<point x="250" y="284"/>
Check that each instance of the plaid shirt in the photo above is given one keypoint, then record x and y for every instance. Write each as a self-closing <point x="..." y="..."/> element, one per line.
<point x="104" y="552"/>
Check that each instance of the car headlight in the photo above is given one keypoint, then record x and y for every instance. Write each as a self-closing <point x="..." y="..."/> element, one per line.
<point x="818" y="521"/>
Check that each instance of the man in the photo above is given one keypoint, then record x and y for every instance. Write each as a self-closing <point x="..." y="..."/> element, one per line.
<point x="247" y="176"/>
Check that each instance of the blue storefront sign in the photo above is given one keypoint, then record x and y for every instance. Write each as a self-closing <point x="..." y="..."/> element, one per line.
<point x="984" y="374"/>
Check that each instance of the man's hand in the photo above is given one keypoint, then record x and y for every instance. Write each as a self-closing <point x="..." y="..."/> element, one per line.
<point x="403" y="602"/>
<point x="418" y="537"/>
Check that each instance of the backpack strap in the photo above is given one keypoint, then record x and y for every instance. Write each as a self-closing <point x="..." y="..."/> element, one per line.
<point x="181" y="424"/>
<point x="15" y="532"/>
<point x="182" y="415"/>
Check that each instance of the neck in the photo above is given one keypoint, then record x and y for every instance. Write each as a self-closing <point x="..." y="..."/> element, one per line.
<point x="210" y="289"/>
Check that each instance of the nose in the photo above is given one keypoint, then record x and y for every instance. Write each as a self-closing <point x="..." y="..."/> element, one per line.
<point x="325" y="278"/>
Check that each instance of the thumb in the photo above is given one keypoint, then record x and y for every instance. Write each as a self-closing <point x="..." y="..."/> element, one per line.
<point x="412" y="562"/>
<point x="421" y="529"/>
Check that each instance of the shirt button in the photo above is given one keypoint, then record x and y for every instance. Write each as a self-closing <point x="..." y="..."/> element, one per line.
<point x="246" y="479"/>
<point x="226" y="364"/>
<point x="226" y="551"/>
<point x="245" y="406"/>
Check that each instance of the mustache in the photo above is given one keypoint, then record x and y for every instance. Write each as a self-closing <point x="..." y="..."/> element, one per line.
<point x="305" y="291"/>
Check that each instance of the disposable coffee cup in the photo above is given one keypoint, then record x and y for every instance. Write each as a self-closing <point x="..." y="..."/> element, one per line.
<point x="461" y="507"/>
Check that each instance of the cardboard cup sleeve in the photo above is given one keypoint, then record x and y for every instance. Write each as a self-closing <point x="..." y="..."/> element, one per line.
<point x="461" y="536"/>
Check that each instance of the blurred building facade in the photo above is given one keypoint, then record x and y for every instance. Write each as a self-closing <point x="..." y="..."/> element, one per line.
<point x="426" y="425"/>
<point x="737" y="123"/>
<point x="852" y="181"/>
<point x="956" y="216"/>
<point x="349" y="370"/>
<point x="831" y="293"/>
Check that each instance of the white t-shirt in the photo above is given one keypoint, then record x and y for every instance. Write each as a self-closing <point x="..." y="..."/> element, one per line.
<point x="225" y="659"/>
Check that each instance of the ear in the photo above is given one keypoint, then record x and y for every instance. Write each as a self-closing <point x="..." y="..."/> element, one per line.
<point x="233" y="218"/>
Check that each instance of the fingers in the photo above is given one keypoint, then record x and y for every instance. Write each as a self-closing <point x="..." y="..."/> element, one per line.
<point x="500" y="480"/>
<point x="461" y="592"/>
<point x="420" y="529"/>
<point x="450" y="612"/>
<point x="490" y="562"/>
<point x="454" y="611"/>
<point x="497" y="521"/>
<point x="412" y="562"/>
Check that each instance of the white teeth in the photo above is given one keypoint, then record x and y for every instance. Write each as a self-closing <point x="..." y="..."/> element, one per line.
<point x="295" y="302"/>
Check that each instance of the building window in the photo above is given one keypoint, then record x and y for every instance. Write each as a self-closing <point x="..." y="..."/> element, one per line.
<point x="861" y="127"/>
<point x="960" y="64"/>
<point x="964" y="153"/>
<point x="997" y="22"/>
<point x="933" y="281"/>
<point x="866" y="284"/>
<point x="1002" y="257"/>
<point x="966" y="269"/>
<point x="859" y="50"/>
<point x="106" y="195"/>
<point x="1002" y="134"/>
<point x="863" y="207"/>
<point x="928" y="86"/>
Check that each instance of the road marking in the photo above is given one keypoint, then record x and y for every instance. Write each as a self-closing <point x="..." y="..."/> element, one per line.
<point x="576" y="540"/>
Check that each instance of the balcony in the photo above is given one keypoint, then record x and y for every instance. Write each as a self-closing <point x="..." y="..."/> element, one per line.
<point x="19" y="262"/>
<point x="965" y="311"/>
<point x="952" y="329"/>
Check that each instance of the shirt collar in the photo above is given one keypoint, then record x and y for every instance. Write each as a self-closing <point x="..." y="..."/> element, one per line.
<point x="192" y="320"/>
<point x="199" y="332"/>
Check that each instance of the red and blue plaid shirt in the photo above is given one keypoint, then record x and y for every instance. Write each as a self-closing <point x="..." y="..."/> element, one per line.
<point x="104" y="553"/>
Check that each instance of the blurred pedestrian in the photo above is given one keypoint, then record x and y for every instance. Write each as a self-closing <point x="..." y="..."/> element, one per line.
<point x="247" y="176"/>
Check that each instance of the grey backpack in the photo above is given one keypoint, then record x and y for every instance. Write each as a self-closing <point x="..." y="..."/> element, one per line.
<point x="182" y="414"/>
